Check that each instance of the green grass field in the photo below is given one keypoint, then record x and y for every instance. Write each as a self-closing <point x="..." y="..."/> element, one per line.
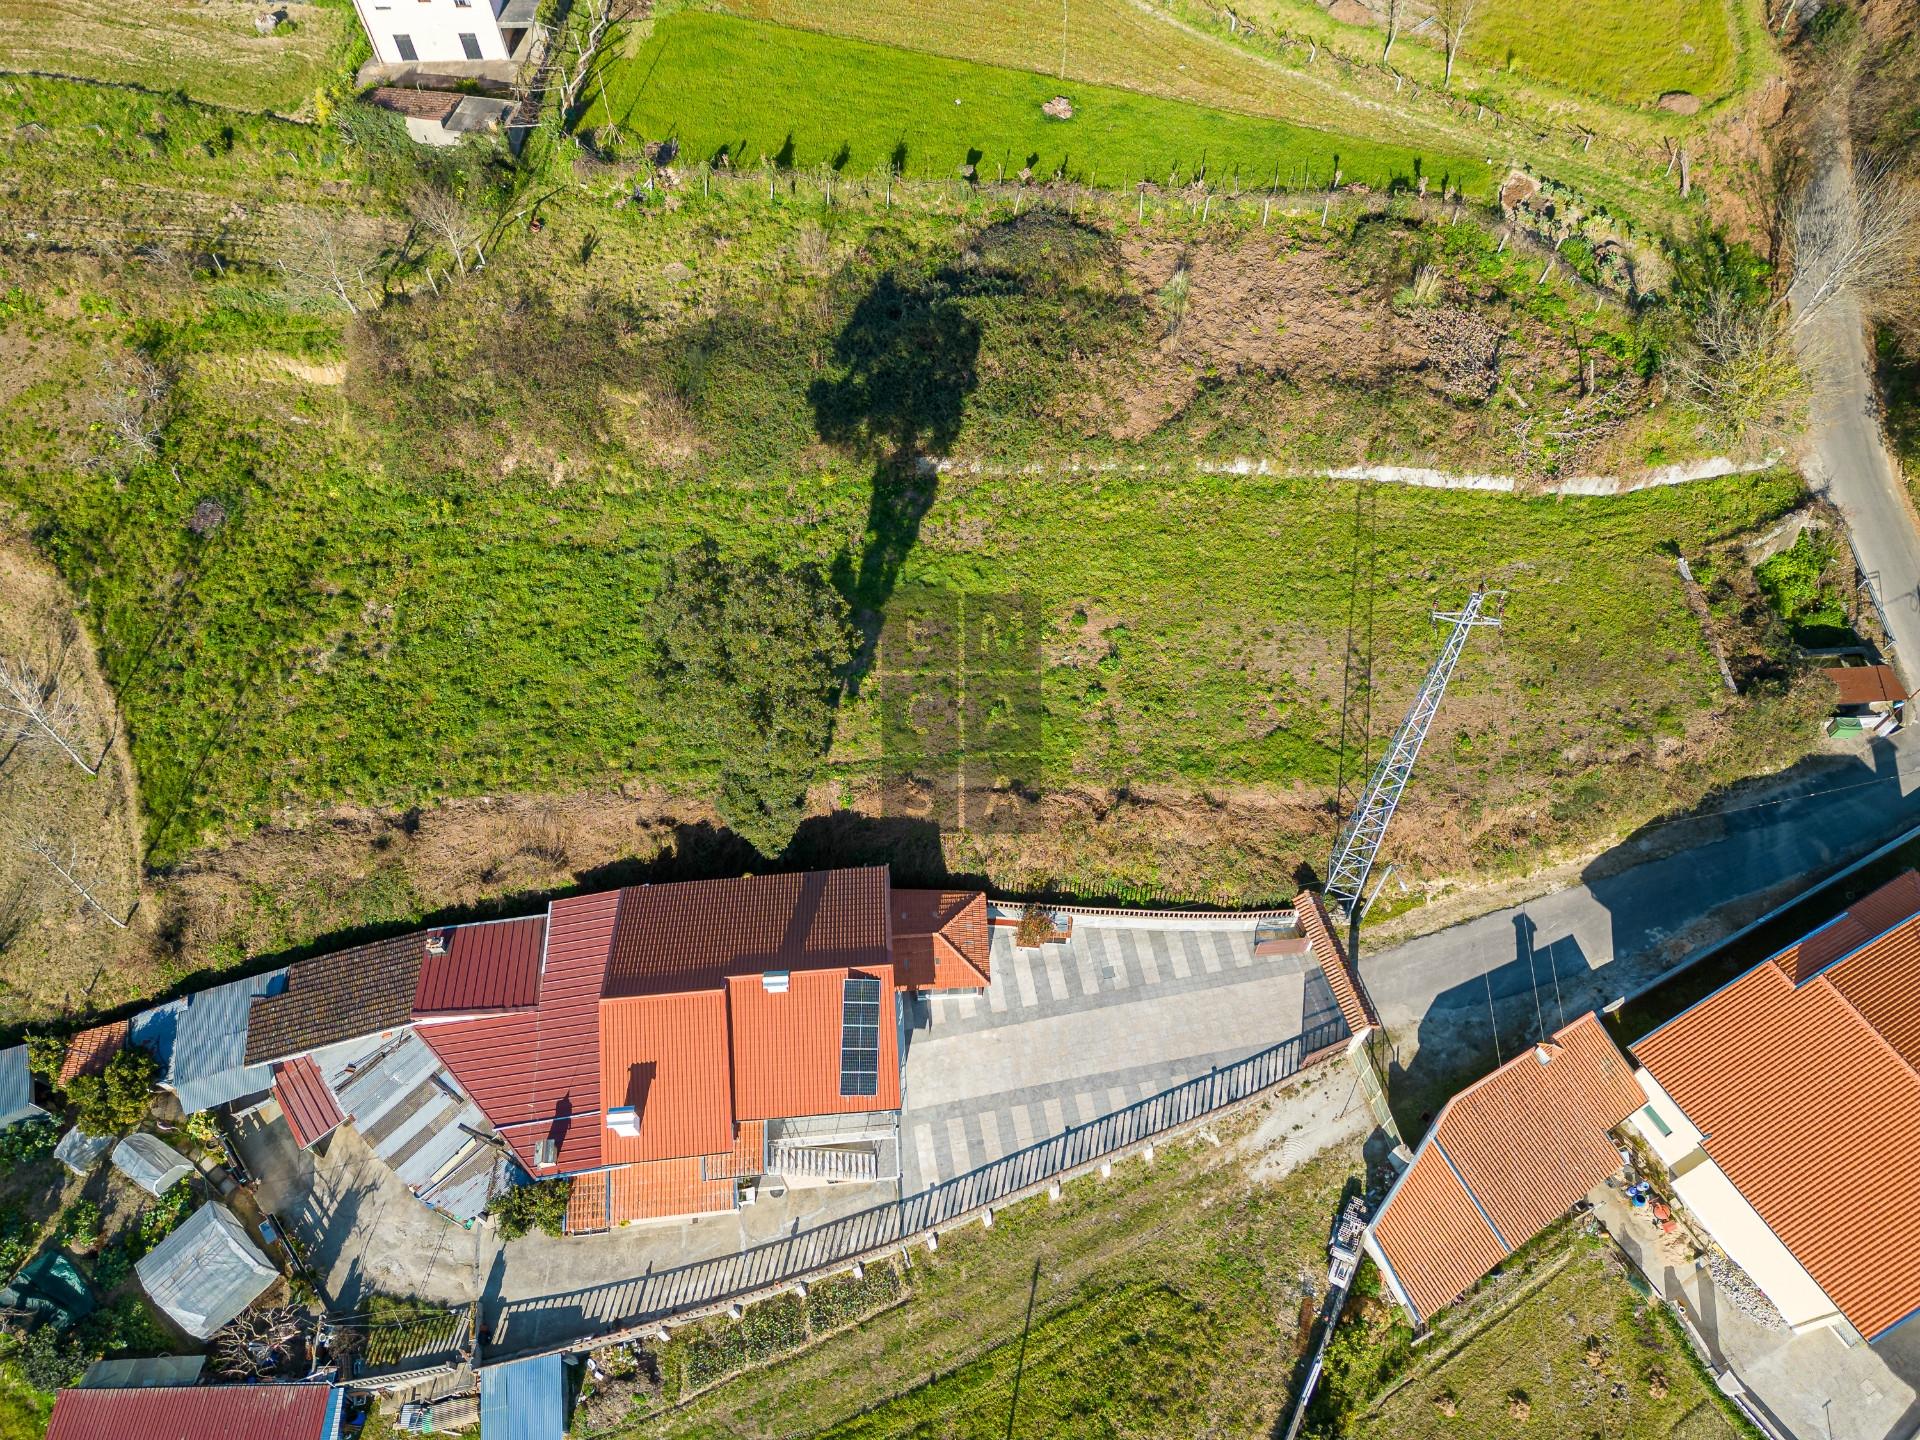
<point x="207" y="49"/>
<point x="1163" y="1302"/>
<point x="437" y="531"/>
<point x="753" y="90"/>
<point x="1582" y="1352"/>
<point x="1627" y="51"/>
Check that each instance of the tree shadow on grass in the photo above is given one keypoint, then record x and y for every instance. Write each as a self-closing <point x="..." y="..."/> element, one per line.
<point x="907" y="361"/>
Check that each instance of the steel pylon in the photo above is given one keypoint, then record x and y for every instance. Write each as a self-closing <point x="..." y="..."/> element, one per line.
<point x="1360" y="836"/>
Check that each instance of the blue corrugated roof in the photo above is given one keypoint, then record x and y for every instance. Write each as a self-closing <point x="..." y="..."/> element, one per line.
<point x="201" y="1041"/>
<point x="16" y="1085"/>
<point x="526" y="1400"/>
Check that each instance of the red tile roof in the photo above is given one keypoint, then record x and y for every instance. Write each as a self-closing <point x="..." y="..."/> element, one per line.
<point x="650" y="1190"/>
<point x="1808" y="1099"/>
<point x="1505" y="1158"/>
<point x="310" y="1107"/>
<point x="940" y="939"/>
<point x="786" y="1047"/>
<point x="666" y="1056"/>
<point x="747" y="1157"/>
<point x="90" y="1050"/>
<point x="367" y="990"/>
<point x="1348" y="993"/>
<point x="196" y="1412"/>
<point x="536" y="1073"/>
<point x="696" y="934"/>
<point x="482" y="968"/>
<point x="1871" y="915"/>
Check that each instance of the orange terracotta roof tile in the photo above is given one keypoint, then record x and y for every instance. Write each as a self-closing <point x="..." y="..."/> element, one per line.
<point x="748" y="1156"/>
<point x="650" y="1190"/>
<point x="696" y="934"/>
<point x="665" y="1056"/>
<point x="940" y="939"/>
<point x="1505" y="1158"/>
<point x="90" y="1050"/>
<point x="1807" y="1097"/>
<point x="1348" y="993"/>
<point x="786" y="1046"/>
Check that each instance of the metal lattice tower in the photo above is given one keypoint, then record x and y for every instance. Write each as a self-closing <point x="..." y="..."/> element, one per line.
<point x="1360" y="837"/>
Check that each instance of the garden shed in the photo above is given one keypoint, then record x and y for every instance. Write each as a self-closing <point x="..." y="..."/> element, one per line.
<point x="80" y="1152"/>
<point x="16" y="1088"/>
<point x="524" y="1400"/>
<point x="200" y="1041"/>
<point x="206" y="1272"/>
<point x="152" y="1164"/>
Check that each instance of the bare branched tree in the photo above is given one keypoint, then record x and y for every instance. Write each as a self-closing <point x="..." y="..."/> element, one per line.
<point x="36" y="709"/>
<point x="591" y="24"/>
<point x="1735" y="369"/>
<point x="1394" y="8"/>
<point x="64" y="860"/>
<point x="132" y="405"/>
<point x="259" y="1342"/>
<point x="1861" y="238"/>
<point x="1454" y="17"/>
<point x="323" y="257"/>
<point x="446" y="216"/>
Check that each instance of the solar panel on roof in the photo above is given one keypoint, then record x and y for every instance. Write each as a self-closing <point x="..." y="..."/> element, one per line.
<point x="860" y="1036"/>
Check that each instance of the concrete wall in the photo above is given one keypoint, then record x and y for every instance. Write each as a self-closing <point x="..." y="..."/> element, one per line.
<point x="1712" y="1200"/>
<point x="435" y="28"/>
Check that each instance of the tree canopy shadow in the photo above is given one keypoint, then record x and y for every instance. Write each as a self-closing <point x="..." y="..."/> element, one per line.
<point x="907" y="361"/>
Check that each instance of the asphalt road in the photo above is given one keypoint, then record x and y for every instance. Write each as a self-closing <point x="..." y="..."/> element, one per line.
<point x="1848" y="460"/>
<point x="1455" y="1000"/>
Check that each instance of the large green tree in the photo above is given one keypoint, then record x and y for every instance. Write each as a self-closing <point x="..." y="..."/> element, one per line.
<point x="747" y="658"/>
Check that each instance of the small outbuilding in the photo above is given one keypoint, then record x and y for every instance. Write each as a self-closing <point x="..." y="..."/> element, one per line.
<point x="206" y="1272"/>
<point x="152" y="1164"/>
<point x="306" y="1411"/>
<point x="200" y="1041"/>
<point x="80" y="1152"/>
<point x="524" y="1400"/>
<point x="16" y="1088"/>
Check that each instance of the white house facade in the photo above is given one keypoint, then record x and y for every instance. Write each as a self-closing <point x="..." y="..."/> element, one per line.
<point x="457" y="33"/>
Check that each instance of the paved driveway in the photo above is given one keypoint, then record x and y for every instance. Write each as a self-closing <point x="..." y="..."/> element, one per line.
<point x="1126" y="1008"/>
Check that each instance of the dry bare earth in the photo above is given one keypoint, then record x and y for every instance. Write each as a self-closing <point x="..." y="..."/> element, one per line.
<point x="56" y="953"/>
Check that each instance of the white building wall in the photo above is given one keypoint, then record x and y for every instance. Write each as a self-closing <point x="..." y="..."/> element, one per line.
<point x="434" y="27"/>
<point x="1724" y="1213"/>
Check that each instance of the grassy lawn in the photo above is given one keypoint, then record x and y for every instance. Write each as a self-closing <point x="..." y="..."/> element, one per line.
<point x="1626" y="51"/>
<point x="24" y="1411"/>
<point x="433" y="532"/>
<point x="1580" y="1352"/>
<point x="753" y="90"/>
<point x="1166" y="1301"/>
<point x="207" y="49"/>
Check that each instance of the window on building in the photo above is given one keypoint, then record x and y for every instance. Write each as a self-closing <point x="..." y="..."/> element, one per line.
<point x="463" y="4"/>
<point x="860" y="1036"/>
<point x="404" y="44"/>
<point x="1653" y="1119"/>
<point x="471" y="45"/>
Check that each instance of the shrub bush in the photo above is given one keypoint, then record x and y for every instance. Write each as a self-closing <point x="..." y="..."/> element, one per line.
<point x="116" y="1100"/>
<point x="541" y="1205"/>
<point x="28" y="1141"/>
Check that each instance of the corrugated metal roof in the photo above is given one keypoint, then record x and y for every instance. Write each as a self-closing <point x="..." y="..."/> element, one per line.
<point x="409" y="1110"/>
<point x="695" y="934"/>
<point x="200" y="1041"/>
<point x="487" y="967"/>
<point x="89" y="1051"/>
<point x="786" y="1046"/>
<point x="1810" y="1107"/>
<point x="940" y="939"/>
<point x="206" y="1272"/>
<point x="310" y="1107"/>
<point x="333" y="998"/>
<point x="1348" y="993"/>
<point x="16" y="1086"/>
<point x="199" y="1412"/>
<point x="524" y="1401"/>
<point x="1866" y="684"/>
<point x="536" y="1073"/>
<point x="666" y="1056"/>
<point x="1505" y="1158"/>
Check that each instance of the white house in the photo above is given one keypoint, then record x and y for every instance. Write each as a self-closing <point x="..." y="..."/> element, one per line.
<point x="1786" y="1105"/>
<point x="458" y="33"/>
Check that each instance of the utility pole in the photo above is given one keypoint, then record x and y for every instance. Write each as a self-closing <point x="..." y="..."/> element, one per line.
<point x="1359" y="843"/>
